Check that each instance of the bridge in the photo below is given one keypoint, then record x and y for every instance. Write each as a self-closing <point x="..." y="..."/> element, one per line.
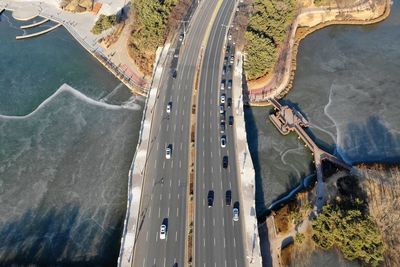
<point x="286" y="120"/>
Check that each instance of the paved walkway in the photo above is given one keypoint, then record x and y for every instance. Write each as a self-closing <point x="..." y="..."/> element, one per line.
<point x="118" y="53"/>
<point x="246" y="171"/>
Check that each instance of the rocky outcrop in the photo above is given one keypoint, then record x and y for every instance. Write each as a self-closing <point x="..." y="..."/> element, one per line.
<point x="77" y="5"/>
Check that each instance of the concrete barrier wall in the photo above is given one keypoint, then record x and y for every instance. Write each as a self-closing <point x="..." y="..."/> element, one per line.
<point x="245" y="170"/>
<point x="137" y="170"/>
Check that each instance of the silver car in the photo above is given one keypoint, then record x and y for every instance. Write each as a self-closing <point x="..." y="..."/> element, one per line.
<point x="221" y="108"/>
<point x="168" y="152"/>
<point x="223" y="141"/>
<point x="235" y="214"/>
<point x="222" y="98"/>
<point x="163" y="231"/>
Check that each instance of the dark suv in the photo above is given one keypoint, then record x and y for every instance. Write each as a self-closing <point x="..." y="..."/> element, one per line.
<point x="229" y="102"/>
<point x="222" y="127"/>
<point x="210" y="198"/>
<point x="225" y="162"/>
<point x="228" y="197"/>
<point x="230" y="120"/>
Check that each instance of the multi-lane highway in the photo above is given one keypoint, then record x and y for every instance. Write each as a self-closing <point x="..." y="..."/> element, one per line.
<point x="218" y="238"/>
<point x="164" y="197"/>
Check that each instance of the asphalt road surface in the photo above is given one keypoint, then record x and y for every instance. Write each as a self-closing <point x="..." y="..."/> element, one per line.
<point x="164" y="196"/>
<point x="218" y="239"/>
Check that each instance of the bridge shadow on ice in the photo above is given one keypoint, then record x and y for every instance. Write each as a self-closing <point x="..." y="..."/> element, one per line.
<point x="57" y="237"/>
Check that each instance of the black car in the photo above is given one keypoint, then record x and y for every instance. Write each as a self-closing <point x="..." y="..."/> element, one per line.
<point x="228" y="197"/>
<point x="174" y="74"/>
<point x="210" y="198"/>
<point x="222" y="127"/>
<point x="229" y="69"/>
<point x="225" y="162"/>
<point x="226" y="60"/>
<point x="224" y="70"/>
<point x="229" y="102"/>
<point x="228" y="49"/>
<point x="230" y="120"/>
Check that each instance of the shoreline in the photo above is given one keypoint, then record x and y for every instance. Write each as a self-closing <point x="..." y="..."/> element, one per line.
<point x="259" y="96"/>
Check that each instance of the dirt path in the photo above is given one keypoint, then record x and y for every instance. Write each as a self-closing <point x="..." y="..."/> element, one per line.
<point x="119" y="54"/>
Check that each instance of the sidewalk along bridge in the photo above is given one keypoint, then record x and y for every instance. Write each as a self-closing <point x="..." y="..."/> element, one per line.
<point x="287" y="120"/>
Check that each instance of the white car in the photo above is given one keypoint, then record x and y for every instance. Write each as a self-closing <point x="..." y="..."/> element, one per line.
<point x="232" y="59"/>
<point x="221" y="108"/>
<point x="222" y="86"/>
<point x="163" y="231"/>
<point x="223" y="141"/>
<point x="168" y="152"/>
<point x="222" y="98"/>
<point x="235" y="214"/>
<point x="229" y="37"/>
<point x="169" y="108"/>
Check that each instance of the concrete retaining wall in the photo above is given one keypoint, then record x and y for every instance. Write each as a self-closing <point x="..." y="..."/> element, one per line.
<point x="137" y="170"/>
<point x="246" y="171"/>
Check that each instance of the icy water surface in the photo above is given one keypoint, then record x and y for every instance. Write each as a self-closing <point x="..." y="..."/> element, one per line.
<point x="347" y="84"/>
<point x="65" y="152"/>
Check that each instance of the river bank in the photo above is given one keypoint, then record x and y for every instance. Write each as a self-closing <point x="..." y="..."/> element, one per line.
<point x="371" y="189"/>
<point x="308" y="21"/>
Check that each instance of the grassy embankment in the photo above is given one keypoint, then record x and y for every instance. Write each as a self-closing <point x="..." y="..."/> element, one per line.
<point x="266" y="31"/>
<point x="153" y="21"/>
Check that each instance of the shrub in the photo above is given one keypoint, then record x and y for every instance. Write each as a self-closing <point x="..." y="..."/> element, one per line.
<point x="355" y="234"/>
<point x="104" y="23"/>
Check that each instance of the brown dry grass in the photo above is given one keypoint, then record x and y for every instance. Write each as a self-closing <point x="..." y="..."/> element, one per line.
<point x="282" y="220"/>
<point x="286" y="254"/>
<point x="382" y="184"/>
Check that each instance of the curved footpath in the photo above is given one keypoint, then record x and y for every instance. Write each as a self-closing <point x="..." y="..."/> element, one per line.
<point x="313" y="19"/>
<point x="245" y="170"/>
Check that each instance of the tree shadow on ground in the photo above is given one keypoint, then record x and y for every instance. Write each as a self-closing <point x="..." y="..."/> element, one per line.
<point x="371" y="142"/>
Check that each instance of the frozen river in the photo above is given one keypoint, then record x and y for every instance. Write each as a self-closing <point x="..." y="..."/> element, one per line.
<point x="347" y="84"/>
<point x="65" y="152"/>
